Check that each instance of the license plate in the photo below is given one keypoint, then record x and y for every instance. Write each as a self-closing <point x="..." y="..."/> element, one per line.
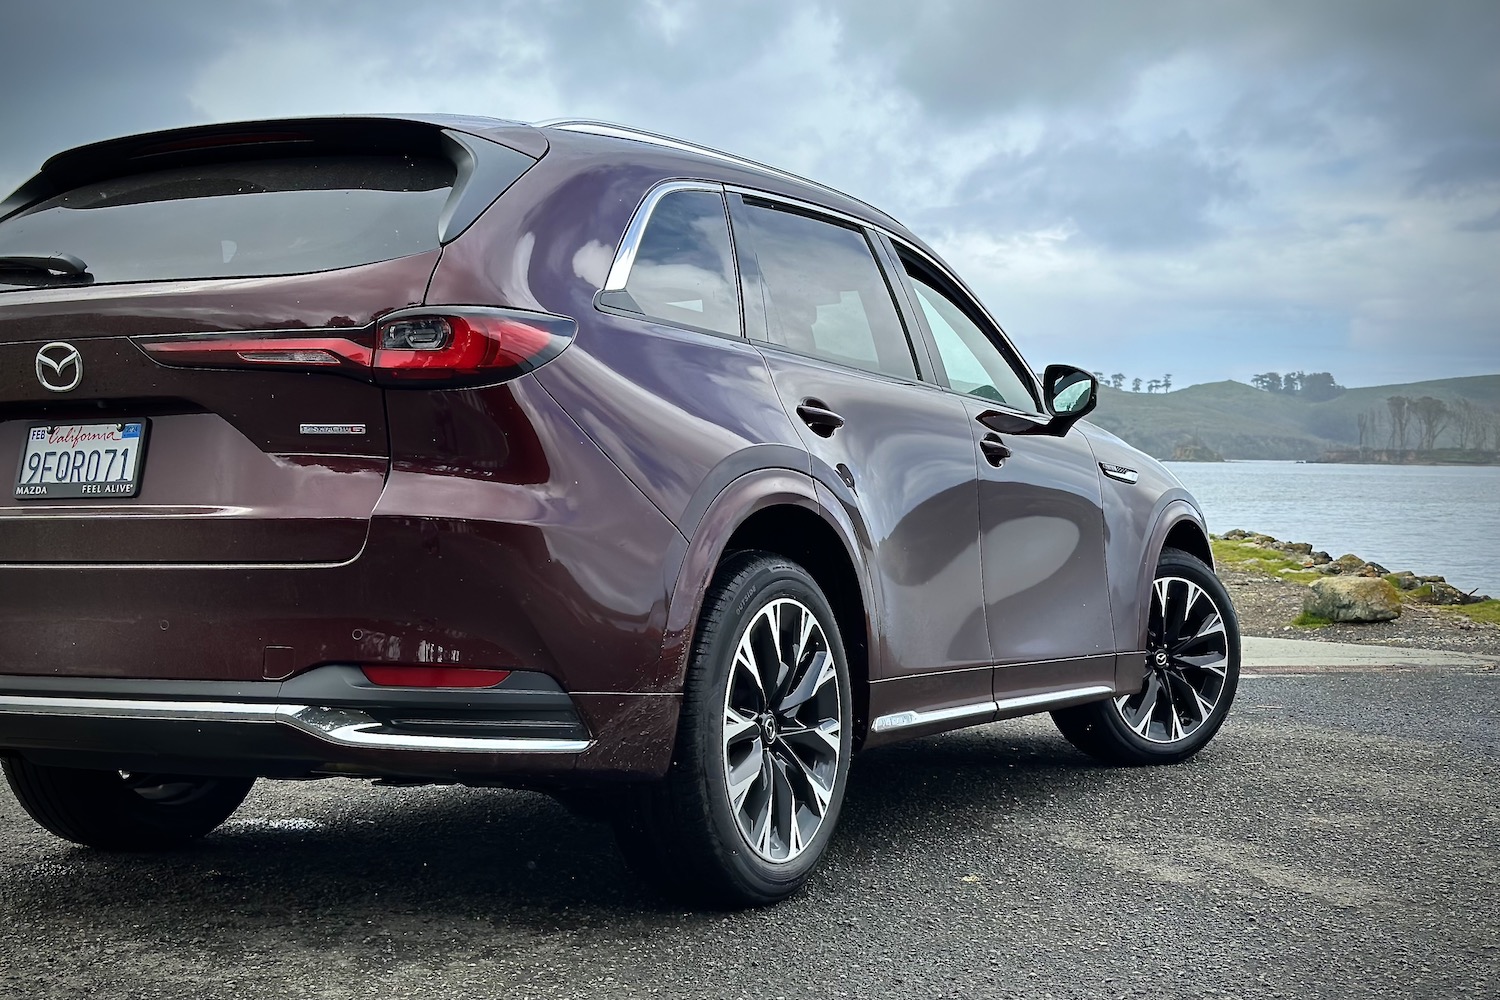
<point x="63" y="461"/>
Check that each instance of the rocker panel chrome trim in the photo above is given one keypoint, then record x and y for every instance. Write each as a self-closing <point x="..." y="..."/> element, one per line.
<point x="906" y="720"/>
<point x="340" y="726"/>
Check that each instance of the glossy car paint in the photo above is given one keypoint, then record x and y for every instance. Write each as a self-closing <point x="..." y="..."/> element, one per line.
<point x="569" y="521"/>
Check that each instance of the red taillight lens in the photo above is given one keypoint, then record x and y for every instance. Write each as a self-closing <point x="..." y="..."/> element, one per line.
<point x="432" y="677"/>
<point x="440" y="347"/>
<point x="447" y="346"/>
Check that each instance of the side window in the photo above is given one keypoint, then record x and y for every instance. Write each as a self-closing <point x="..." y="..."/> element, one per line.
<point x="825" y="294"/>
<point x="972" y="361"/>
<point x="683" y="270"/>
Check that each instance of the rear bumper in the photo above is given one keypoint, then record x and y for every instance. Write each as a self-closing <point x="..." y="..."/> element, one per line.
<point x="327" y="721"/>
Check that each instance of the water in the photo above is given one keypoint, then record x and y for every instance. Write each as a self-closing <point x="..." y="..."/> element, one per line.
<point x="1428" y="519"/>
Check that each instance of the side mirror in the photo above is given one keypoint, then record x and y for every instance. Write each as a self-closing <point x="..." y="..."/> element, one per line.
<point x="1070" y="394"/>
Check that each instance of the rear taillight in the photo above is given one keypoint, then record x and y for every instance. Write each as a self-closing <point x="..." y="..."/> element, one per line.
<point x="438" y="347"/>
<point x="432" y="677"/>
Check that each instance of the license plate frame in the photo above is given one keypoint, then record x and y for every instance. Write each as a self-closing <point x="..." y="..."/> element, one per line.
<point x="83" y="488"/>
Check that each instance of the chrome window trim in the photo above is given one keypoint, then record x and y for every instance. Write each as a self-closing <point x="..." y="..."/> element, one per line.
<point x="908" y="719"/>
<point x="339" y="726"/>
<point x="630" y="242"/>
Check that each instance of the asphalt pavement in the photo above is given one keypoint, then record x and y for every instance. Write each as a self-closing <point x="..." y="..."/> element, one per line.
<point x="1338" y="839"/>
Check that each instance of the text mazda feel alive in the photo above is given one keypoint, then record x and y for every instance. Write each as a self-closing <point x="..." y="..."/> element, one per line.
<point x="566" y="457"/>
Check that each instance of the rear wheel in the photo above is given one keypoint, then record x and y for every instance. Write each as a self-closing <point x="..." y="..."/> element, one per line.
<point x="124" y="810"/>
<point x="763" y="747"/>
<point x="1192" y="672"/>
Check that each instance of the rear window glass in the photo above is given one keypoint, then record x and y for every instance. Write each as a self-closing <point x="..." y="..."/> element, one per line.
<point x="258" y="217"/>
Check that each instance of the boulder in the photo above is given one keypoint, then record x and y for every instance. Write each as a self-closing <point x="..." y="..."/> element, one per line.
<point x="1353" y="599"/>
<point x="1301" y="548"/>
<point x="1321" y="558"/>
<point x="1440" y="593"/>
<point x="1347" y="563"/>
<point x="1405" y="580"/>
<point x="1235" y="534"/>
<point x="1373" y="569"/>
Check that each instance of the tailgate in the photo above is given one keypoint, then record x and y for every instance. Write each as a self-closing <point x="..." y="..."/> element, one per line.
<point x="263" y="466"/>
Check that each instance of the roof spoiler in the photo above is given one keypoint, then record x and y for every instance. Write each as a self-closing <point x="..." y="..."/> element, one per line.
<point x="481" y="156"/>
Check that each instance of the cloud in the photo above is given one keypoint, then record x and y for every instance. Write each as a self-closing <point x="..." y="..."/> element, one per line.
<point x="1107" y="189"/>
<point x="1166" y="185"/>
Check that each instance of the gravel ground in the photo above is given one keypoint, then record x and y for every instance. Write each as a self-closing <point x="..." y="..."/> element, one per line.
<point x="1325" y="845"/>
<point x="1266" y="606"/>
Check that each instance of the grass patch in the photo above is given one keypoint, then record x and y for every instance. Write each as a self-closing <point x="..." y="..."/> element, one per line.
<point x="1484" y="611"/>
<point x="1248" y="557"/>
<point x="1306" y="620"/>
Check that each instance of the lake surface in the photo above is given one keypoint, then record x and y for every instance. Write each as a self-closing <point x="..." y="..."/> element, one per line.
<point x="1428" y="519"/>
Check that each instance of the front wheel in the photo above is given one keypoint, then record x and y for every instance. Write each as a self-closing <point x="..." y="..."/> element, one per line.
<point x="763" y="747"/>
<point x="124" y="810"/>
<point x="1192" y="672"/>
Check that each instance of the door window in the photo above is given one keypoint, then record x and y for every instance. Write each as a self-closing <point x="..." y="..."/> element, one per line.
<point x="684" y="269"/>
<point x="825" y="294"/>
<point x="973" y="363"/>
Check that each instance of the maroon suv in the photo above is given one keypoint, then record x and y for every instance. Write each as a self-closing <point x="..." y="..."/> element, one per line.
<point x="568" y="457"/>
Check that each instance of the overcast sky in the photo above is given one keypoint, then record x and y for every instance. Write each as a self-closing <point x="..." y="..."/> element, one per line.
<point x="1207" y="189"/>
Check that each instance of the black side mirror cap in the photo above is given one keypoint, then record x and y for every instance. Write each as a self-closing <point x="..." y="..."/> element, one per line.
<point x="1070" y="394"/>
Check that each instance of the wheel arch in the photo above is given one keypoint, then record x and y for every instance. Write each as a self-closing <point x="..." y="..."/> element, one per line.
<point x="1178" y="526"/>
<point x="777" y="511"/>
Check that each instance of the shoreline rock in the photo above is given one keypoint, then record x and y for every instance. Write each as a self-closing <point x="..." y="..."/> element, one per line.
<point x="1419" y="588"/>
<point x="1352" y="599"/>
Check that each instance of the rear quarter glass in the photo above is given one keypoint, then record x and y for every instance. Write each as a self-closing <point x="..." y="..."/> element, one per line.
<point x="240" y="219"/>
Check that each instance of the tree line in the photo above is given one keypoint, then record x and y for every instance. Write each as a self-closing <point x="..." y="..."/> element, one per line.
<point x="1418" y="423"/>
<point x="1313" y="386"/>
<point x="1117" y="381"/>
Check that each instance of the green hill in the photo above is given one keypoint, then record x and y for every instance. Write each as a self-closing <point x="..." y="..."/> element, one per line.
<point x="1242" y="422"/>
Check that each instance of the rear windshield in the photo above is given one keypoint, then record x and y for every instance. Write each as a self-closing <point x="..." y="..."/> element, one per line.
<point x="259" y="217"/>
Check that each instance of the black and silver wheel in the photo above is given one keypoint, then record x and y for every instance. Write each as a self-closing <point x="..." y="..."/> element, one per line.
<point x="124" y="810"/>
<point x="1192" y="671"/>
<point x="763" y="746"/>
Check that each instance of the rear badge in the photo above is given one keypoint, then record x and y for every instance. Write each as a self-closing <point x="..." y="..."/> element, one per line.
<point x="59" y="366"/>
<point x="333" y="428"/>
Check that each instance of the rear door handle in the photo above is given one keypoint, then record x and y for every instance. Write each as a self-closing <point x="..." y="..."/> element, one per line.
<point x="816" y="414"/>
<point x="995" y="450"/>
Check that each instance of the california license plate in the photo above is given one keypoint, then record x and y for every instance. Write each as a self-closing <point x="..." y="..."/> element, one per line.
<point x="63" y="461"/>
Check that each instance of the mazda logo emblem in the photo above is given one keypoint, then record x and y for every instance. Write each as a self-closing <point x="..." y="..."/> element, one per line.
<point x="59" y="366"/>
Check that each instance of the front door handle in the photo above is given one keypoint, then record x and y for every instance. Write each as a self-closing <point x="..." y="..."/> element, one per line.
<point x="816" y="414"/>
<point x="995" y="450"/>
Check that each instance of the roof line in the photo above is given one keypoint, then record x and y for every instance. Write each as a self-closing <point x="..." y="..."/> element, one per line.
<point x="591" y="126"/>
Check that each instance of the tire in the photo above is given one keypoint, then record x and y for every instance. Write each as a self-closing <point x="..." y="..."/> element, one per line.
<point x="758" y="773"/>
<point x="1193" y="671"/>
<point x="118" y="811"/>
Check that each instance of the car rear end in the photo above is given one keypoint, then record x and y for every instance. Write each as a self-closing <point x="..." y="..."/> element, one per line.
<point x="217" y="555"/>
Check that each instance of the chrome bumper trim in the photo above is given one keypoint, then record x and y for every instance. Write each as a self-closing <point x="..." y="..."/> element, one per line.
<point x="906" y="720"/>
<point x="339" y="726"/>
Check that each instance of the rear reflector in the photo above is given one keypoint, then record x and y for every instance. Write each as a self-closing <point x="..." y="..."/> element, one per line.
<point x="433" y="677"/>
<point x="439" y="348"/>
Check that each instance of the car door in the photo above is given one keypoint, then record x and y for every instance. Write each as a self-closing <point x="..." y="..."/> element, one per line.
<point x="892" y="448"/>
<point x="1040" y="506"/>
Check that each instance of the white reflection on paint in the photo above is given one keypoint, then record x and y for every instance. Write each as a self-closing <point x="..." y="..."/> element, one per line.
<point x="1025" y="551"/>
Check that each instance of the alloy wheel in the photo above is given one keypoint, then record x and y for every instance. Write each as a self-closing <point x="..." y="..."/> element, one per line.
<point x="782" y="730"/>
<point x="1187" y="664"/>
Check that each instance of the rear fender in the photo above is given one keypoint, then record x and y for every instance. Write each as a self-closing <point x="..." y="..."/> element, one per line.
<point x="732" y="506"/>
